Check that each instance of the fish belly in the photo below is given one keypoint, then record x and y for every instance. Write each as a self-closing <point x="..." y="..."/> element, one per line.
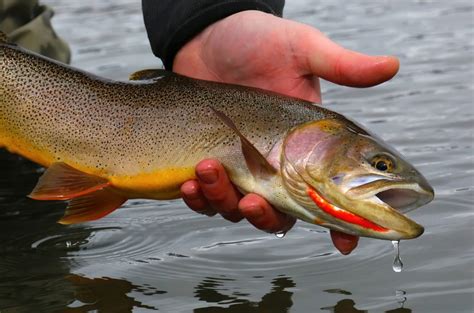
<point x="163" y="184"/>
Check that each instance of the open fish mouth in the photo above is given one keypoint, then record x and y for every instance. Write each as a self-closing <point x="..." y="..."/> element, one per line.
<point x="404" y="199"/>
<point x="401" y="196"/>
<point x="386" y="203"/>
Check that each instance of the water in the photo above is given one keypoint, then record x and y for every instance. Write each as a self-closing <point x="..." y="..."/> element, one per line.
<point x="280" y="234"/>
<point x="397" y="262"/>
<point x="152" y="256"/>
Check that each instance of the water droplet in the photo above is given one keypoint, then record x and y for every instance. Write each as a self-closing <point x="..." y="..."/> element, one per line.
<point x="397" y="262"/>
<point x="280" y="234"/>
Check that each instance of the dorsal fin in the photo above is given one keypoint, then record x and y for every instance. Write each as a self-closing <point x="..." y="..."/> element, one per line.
<point x="256" y="162"/>
<point x="149" y="74"/>
<point x="63" y="182"/>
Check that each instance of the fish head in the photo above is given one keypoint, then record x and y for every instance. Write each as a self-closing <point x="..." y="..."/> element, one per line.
<point x="348" y="180"/>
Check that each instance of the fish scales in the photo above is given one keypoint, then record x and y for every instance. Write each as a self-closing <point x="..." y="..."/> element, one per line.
<point x="129" y="131"/>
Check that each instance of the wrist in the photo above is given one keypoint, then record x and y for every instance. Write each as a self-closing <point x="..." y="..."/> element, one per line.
<point x="208" y="45"/>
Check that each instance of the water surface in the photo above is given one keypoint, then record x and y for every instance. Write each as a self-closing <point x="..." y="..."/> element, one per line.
<point x="153" y="255"/>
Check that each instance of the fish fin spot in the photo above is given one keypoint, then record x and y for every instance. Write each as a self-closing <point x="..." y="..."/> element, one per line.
<point x="256" y="162"/>
<point x="63" y="182"/>
<point x="149" y="74"/>
<point x="92" y="206"/>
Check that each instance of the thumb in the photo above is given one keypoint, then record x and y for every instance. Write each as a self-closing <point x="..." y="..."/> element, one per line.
<point x="328" y="60"/>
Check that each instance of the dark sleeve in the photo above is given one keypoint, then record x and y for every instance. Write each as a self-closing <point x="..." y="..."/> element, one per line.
<point x="172" y="23"/>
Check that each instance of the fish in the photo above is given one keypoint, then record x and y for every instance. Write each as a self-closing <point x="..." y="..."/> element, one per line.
<point x="105" y="141"/>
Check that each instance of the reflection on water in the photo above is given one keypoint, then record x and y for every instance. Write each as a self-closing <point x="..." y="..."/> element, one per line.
<point x="345" y="305"/>
<point x="102" y="294"/>
<point x="160" y="256"/>
<point x="348" y="306"/>
<point x="278" y="300"/>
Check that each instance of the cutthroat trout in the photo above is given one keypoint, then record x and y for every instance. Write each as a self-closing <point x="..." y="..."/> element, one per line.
<point x="105" y="141"/>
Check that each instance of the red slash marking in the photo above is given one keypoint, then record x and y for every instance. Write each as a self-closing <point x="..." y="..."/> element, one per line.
<point x="342" y="214"/>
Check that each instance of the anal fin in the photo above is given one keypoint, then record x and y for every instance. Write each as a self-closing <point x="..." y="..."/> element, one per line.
<point x="92" y="206"/>
<point x="63" y="182"/>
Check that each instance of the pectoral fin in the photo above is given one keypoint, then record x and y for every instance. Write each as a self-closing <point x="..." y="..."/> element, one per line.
<point x="63" y="182"/>
<point x="256" y="162"/>
<point x="92" y="206"/>
<point x="149" y="74"/>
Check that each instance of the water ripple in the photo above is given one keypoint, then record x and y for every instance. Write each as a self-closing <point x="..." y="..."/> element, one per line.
<point x="183" y="245"/>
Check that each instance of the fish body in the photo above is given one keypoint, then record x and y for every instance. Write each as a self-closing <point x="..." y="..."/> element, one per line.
<point x="147" y="133"/>
<point x="107" y="141"/>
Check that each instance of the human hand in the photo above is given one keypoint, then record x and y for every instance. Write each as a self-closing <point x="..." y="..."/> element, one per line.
<point x="261" y="50"/>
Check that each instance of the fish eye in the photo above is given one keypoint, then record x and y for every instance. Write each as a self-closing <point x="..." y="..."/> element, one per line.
<point x="381" y="166"/>
<point x="382" y="163"/>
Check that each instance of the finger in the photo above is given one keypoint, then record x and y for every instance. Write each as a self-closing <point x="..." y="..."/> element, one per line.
<point x="193" y="197"/>
<point x="263" y="216"/>
<point x="345" y="243"/>
<point x="218" y="190"/>
<point x="324" y="58"/>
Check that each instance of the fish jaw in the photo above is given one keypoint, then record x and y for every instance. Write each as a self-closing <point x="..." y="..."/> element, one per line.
<point x="404" y="196"/>
<point x="391" y="199"/>
<point x="367" y="218"/>
<point x="382" y="199"/>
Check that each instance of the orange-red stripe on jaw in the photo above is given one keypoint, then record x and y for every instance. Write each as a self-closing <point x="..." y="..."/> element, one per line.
<point x="342" y="214"/>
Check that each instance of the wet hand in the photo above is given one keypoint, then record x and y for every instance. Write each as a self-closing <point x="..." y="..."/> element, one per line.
<point x="212" y="193"/>
<point x="256" y="49"/>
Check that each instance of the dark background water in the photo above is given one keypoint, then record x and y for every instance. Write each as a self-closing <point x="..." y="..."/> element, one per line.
<point x="153" y="255"/>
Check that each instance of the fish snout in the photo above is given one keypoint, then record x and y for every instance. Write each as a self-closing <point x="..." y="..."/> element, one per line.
<point x="414" y="231"/>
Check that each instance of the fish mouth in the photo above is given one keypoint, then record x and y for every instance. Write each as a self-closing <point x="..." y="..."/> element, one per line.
<point x="391" y="200"/>
<point x="399" y="195"/>
<point x="343" y="215"/>
<point x="404" y="200"/>
<point x="376" y="209"/>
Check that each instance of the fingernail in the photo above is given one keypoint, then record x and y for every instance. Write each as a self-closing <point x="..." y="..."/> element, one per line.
<point x="208" y="176"/>
<point x="192" y="194"/>
<point x="384" y="58"/>
<point x="189" y="191"/>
